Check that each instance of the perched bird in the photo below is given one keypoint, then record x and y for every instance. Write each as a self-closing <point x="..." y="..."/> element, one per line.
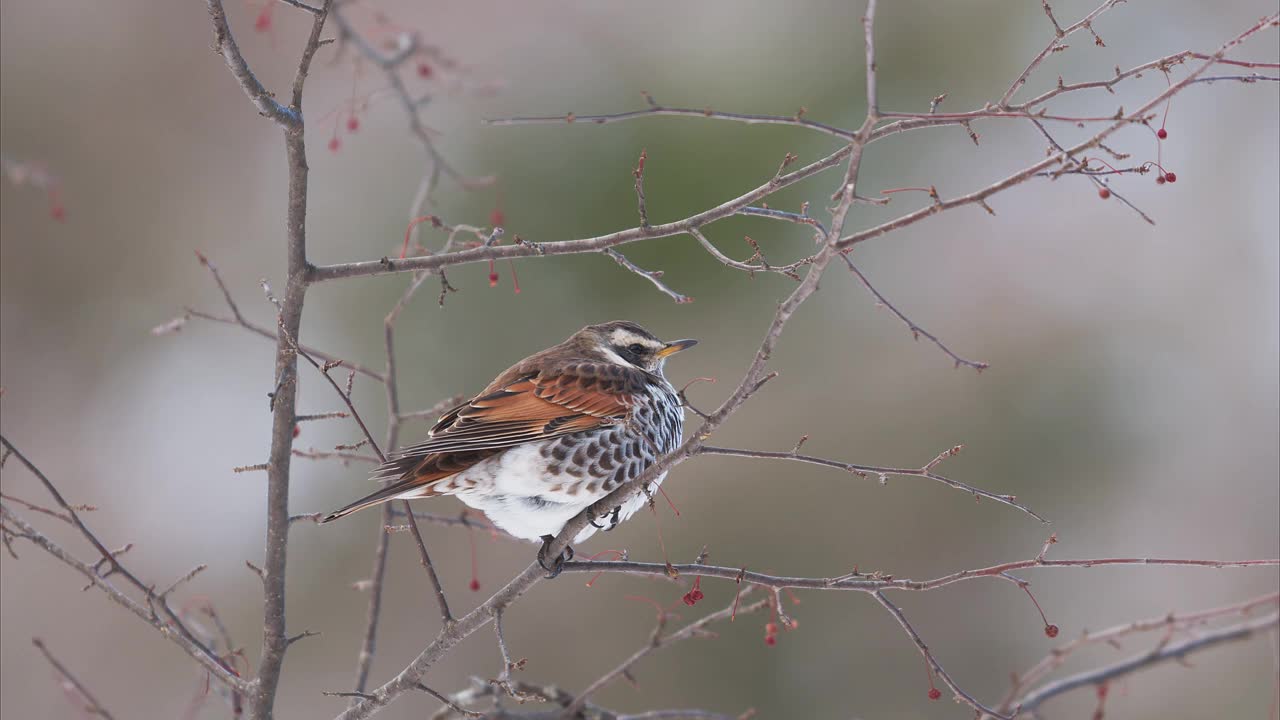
<point x="550" y="436"/>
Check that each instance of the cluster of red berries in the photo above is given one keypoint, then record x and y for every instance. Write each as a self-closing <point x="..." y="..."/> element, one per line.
<point x="353" y="124"/>
<point x="1162" y="176"/>
<point x="692" y="597"/>
<point x="771" y="634"/>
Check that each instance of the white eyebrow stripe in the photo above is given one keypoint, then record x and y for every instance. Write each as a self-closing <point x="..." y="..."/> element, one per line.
<point x="622" y="336"/>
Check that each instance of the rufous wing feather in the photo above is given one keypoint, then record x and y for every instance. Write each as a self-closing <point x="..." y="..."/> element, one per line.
<point x="518" y="408"/>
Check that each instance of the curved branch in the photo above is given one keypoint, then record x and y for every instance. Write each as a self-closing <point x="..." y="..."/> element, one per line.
<point x="863" y="470"/>
<point x="1173" y="651"/>
<point x="225" y="43"/>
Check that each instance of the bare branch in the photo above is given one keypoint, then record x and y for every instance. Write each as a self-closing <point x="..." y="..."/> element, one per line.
<point x="876" y="581"/>
<point x="1168" y="623"/>
<point x="569" y="247"/>
<point x="170" y="626"/>
<point x="1173" y="651"/>
<point x="262" y="99"/>
<point x="1056" y="43"/>
<point x="658" y="110"/>
<point x="653" y="276"/>
<point x="657" y="641"/>
<point x="881" y="471"/>
<point x="916" y="330"/>
<point x="639" y="175"/>
<point x="960" y="693"/>
<point x="92" y="704"/>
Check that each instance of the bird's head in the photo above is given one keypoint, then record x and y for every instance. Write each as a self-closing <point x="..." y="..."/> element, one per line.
<point x="625" y="343"/>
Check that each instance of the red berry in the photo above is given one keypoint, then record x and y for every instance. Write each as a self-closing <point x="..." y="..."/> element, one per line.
<point x="1051" y="630"/>
<point x="497" y="218"/>
<point x="493" y="279"/>
<point x="424" y="70"/>
<point x="297" y="430"/>
<point x="689" y="599"/>
<point x="1160" y="179"/>
<point x="334" y="144"/>
<point x="1104" y="193"/>
<point x="1162" y="133"/>
<point x="697" y="594"/>
<point x="263" y="22"/>
<point x="353" y="123"/>
<point x="475" y="585"/>
<point x="770" y="629"/>
<point x="1170" y="177"/>
<point x="934" y="693"/>
<point x="770" y="640"/>
<point x="57" y="212"/>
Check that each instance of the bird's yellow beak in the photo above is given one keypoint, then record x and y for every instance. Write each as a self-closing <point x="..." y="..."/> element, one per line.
<point x="674" y="347"/>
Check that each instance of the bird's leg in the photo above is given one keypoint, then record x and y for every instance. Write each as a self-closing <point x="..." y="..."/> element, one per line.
<point x="556" y="565"/>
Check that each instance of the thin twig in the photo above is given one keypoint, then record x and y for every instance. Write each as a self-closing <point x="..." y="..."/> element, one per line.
<point x="653" y="276"/>
<point x="881" y="471"/>
<point x="916" y="330"/>
<point x="1030" y="702"/>
<point x="93" y="706"/>
<point x="932" y="661"/>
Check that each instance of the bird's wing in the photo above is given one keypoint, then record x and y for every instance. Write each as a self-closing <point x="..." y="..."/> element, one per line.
<point x="529" y="407"/>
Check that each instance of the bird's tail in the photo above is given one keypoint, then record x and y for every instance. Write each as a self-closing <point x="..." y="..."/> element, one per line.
<point x="408" y="487"/>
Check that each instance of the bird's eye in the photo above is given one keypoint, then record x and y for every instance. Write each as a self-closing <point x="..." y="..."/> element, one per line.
<point x="636" y="349"/>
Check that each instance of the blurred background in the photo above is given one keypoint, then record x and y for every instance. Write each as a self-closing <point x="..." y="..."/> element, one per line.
<point x="1131" y="399"/>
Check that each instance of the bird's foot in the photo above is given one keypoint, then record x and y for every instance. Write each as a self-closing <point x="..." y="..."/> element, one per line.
<point x="555" y="566"/>
<point x="612" y="516"/>
<point x="592" y="517"/>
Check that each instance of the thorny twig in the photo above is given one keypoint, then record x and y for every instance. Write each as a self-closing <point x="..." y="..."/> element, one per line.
<point x="154" y="609"/>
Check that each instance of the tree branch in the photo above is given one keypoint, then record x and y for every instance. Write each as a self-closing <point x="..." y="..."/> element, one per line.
<point x="92" y="704"/>
<point x="225" y="43"/>
<point x="1030" y="702"/>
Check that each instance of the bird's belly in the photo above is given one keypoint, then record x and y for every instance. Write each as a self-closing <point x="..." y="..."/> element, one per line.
<point x="531" y="517"/>
<point x="532" y="490"/>
<point x="528" y="517"/>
